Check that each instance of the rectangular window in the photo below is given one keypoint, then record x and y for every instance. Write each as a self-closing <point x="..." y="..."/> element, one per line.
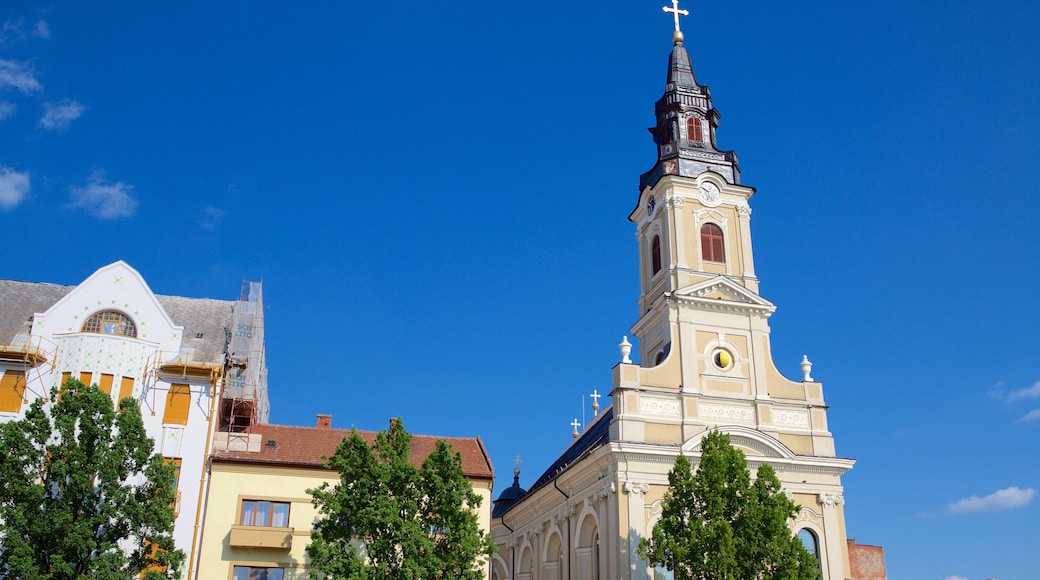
<point x="64" y="379"/>
<point x="106" y="384"/>
<point x="176" y="462"/>
<point x="126" y="387"/>
<point x="272" y="514"/>
<point x="12" y="390"/>
<point x="85" y="378"/>
<point x="257" y="573"/>
<point x="178" y="403"/>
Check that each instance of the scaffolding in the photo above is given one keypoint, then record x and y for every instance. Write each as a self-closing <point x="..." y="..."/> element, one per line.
<point x="244" y="399"/>
<point x="35" y="354"/>
<point x="237" y="373"/>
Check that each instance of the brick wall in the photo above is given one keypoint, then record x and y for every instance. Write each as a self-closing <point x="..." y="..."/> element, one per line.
<point x="867" y="562"/>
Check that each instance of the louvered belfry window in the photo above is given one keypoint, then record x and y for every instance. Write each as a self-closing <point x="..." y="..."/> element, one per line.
<point x="713" y="247"/>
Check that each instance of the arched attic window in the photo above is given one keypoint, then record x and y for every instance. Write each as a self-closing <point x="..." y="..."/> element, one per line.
<point x="655" y="255"/>
<point x="110" y="322"/>
<point x="713" y="246"/>
<point x="694" y="130"/>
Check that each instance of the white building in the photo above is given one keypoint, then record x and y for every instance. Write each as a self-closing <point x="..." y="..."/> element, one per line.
<point x="197" y="366"/>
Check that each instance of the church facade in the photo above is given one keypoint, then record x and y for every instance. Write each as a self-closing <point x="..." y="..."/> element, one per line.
<point x="704" y="348"/>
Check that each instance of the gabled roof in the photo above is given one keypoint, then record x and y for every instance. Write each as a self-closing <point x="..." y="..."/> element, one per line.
<point x="19" y="301"/>
<point x="309" y="446"/>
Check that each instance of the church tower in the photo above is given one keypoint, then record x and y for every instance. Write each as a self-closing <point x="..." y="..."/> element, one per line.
<point x="704" y="345"/>
<point x="704" y="364"/>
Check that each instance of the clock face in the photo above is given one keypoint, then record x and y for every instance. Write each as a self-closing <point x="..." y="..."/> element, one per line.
<point x="709" y="192"/>
<point x="651" y="204"/>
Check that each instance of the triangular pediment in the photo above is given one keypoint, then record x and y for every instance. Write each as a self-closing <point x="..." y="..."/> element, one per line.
<point x="722" y="291"/>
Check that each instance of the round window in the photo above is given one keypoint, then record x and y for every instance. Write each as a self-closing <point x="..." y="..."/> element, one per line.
<point x="722" y="359"/>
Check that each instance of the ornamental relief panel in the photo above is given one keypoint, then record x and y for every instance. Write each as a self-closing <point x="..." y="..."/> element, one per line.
<point x="728" y="412"/>
<point x="807" y="514"/>
<point x="790" y="418"/>
<point x="663" y="407"/>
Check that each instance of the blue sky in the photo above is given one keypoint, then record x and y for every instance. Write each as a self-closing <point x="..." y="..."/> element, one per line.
<point x="435" y="196"/>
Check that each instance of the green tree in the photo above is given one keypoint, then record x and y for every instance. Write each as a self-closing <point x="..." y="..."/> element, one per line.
<point x="717" y="525"/>
<point x="81" y="494"/>
<point x="386" y="519"/>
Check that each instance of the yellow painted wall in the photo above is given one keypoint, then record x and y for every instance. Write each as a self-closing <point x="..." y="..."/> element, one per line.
<point x="231" y="483"/>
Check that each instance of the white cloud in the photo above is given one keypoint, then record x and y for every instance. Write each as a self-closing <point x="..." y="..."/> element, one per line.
<point x="211" y="217"/>
<point x="1000" y="393"/>
<point x="6" y="110"/>
<point x="1032" y="392"/>
<point x="1004" y="499"/>
<point x="11" y="31"/>
<point x="1030" y="416"/>
<point x="42" y="30"/>
<point x="954" y="578"/>
<point x="102" y="199"/>
<point x="14" y="186"/>
<point x="18" y="75"/>
<point x="59" y="117"/>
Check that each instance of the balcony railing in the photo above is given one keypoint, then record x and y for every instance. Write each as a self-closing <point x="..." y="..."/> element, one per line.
<point x="261" y="537"/>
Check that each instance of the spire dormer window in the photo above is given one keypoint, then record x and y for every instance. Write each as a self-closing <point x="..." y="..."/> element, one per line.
<point x="665" y="133"/>
<point x="655" y="255"/>
<point x="713" y="246"/>
<point x="694" y="130"/>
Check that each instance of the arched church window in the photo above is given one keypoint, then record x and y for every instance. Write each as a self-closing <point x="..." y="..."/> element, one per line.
<point x="811" y="543"/>
<point x="713" y="248"/>
<point x="694" y="130"/>
<point x="110" y="322"/>
<point x="655" y="255"/>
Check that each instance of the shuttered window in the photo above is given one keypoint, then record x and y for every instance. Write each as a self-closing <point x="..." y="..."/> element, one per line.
<point x="713" y="248"/>
<point x="694" y="132"/>
<point x="178" y="402"/>
<point x="106" y="384"/>
<point x="64" y="379"/>
<point x="126" y="387"/>
<point x="85" y="378"/>
<point x="12" y="390"/>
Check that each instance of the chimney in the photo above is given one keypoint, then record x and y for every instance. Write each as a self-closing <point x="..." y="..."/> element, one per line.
<point x="324" y="421"/>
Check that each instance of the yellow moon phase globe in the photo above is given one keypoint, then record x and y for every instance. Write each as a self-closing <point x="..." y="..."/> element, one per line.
<point x="723" y="359"/>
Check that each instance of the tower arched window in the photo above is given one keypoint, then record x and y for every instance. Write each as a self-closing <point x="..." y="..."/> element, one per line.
<point x="811" y="543"/>
<point x="110" y="322"/>
<point x="694" y="130"/>
<point x="655" y="255"/>
<point x="713" y="246"/>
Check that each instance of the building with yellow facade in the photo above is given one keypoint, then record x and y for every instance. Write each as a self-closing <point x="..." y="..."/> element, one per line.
<point x="705" y="364"/>
<point x="258" y="516"/>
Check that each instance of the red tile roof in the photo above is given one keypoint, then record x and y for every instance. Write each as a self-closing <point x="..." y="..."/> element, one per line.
<point x="307" y="446"/>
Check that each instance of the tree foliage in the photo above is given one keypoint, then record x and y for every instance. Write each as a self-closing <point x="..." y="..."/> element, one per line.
<point x="717" y="525"/>
<point x="385" y="519"/>
<point x="81" y="494"/>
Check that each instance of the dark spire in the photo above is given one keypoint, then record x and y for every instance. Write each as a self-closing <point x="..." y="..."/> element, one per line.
<point x="510" y="496"/>
<point x="686" y="123"/>
<point x="680" y="71"/>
